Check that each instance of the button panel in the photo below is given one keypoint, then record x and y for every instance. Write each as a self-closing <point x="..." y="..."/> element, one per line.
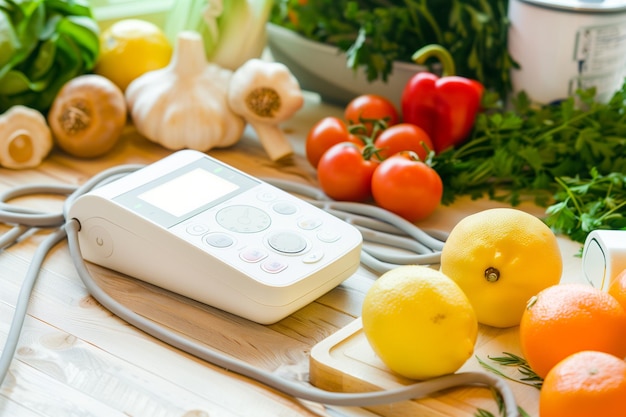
<point x="272" y="236"/>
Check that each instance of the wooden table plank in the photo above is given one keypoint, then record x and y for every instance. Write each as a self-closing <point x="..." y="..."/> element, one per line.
<point x="76" y="358"/>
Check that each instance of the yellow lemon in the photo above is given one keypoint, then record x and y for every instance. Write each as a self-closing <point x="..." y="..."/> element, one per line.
<point x="501" y="258"/>
<point x="419" y="322"/>
<point x="130" y="48"/>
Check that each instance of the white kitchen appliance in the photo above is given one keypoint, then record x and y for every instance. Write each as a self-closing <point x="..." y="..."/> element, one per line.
<point x="198" y="227"/>
<point x="563" y="45"/>
<point x="604" y="257"/>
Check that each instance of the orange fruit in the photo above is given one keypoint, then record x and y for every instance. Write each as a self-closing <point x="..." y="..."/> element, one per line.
<point x="585" y="384"/>
<point x="569" y="318"/>
<point x="618" y="288"/>
<point x="500" y="258"/>
<point x="419" y="322"/>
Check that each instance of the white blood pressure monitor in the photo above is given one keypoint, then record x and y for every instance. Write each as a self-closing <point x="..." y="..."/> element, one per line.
<point x="200" y="228"/>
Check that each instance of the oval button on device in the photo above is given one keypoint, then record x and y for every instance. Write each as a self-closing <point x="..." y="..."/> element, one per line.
<point x="252" y="255"/>
<point x="197" y="229"/>
<point x="328" y="236"/>
<point x="273" y="266"/>
<point x="313" y="257"/>
<point x="218" y="240"/>
<point x="285" y="208"/>
<point x="287" y="242"/>
<point x="266" y="196"/>
<point x="100" y="241"/>
<point x="309" y="223"/>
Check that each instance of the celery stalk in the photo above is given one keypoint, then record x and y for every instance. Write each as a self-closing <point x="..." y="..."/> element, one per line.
<point x="233" y="31"/>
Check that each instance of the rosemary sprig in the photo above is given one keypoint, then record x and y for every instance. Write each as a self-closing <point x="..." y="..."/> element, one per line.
<point x="481" y="412"/>
<point x="529" y="377"/>
<point x="484" y="413"/>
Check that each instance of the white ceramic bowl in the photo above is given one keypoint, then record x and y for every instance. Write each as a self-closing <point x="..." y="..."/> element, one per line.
<point x="321" y="68"/>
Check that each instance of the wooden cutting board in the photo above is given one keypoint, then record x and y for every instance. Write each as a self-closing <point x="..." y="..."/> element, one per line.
<point x="344" y="362"/>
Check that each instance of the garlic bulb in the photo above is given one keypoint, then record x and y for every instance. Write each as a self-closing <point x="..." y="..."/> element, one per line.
<point x="25" y="138"/>
<point x="184" y="104"/>
<point x="266" y="94"/>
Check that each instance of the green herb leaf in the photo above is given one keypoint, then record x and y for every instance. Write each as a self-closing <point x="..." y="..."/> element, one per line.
<point x="373" y="34"/>
<point x="569" y="157"/>
<point x="587" y="204"/>
<point x="480" y="412"/>
<point x="528" y="376"/>
<point x="44" y="44"/>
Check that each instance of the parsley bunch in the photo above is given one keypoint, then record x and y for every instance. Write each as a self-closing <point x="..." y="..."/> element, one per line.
<point x="570" y="155"/>
<point x="374" y="33"/>
<point x="587" y="204"/>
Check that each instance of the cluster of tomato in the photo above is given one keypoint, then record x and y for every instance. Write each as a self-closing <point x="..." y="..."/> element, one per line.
<point x="372" y="155"/>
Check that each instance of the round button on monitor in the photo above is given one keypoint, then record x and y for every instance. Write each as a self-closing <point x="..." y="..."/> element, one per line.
<point x="243" y="219"/>
<point x="287" y="242"/>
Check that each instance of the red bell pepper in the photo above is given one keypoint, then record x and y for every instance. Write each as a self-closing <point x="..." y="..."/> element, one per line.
<point x="445" y="107"/>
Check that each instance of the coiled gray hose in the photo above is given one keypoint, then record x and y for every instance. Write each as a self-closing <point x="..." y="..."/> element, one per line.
<point x="24" y="219"/>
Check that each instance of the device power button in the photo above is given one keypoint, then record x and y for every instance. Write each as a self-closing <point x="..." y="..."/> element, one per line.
<point x="100" y="241"/>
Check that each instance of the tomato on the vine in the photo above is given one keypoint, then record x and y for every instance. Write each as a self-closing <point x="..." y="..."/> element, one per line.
<point x="344" y="174"/>
<point x="406" y="186"/>
<point x="371" y="107"/>
<point x="403" y="137"/>
<point x="323" y="135"/>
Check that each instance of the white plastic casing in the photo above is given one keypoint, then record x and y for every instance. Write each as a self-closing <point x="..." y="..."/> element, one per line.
<point x="604" y="257"/>
<point x="564" y="45"/>
<point x="260" y="253"/>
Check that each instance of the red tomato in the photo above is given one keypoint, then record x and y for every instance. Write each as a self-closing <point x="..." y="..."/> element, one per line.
<point x="407" y="187"/>
<point x="344" y="174"/>
<point x="403" y="137"/>
<point x="323" y="135"/>
<point x="370" y="107"/>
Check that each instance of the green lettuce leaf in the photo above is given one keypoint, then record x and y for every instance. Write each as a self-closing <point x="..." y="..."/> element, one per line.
<point x="43" y="44"/>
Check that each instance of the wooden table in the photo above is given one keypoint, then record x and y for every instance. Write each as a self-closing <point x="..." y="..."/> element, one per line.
<point x="76" y="358"/>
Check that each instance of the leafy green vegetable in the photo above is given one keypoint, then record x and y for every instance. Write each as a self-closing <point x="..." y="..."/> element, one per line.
<point x="374" y="33"/>
<point x="587" y="204"/>
<point x="43" y="44"/>
<point x="232" y="30"/>
<point x="571" y="155"/>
